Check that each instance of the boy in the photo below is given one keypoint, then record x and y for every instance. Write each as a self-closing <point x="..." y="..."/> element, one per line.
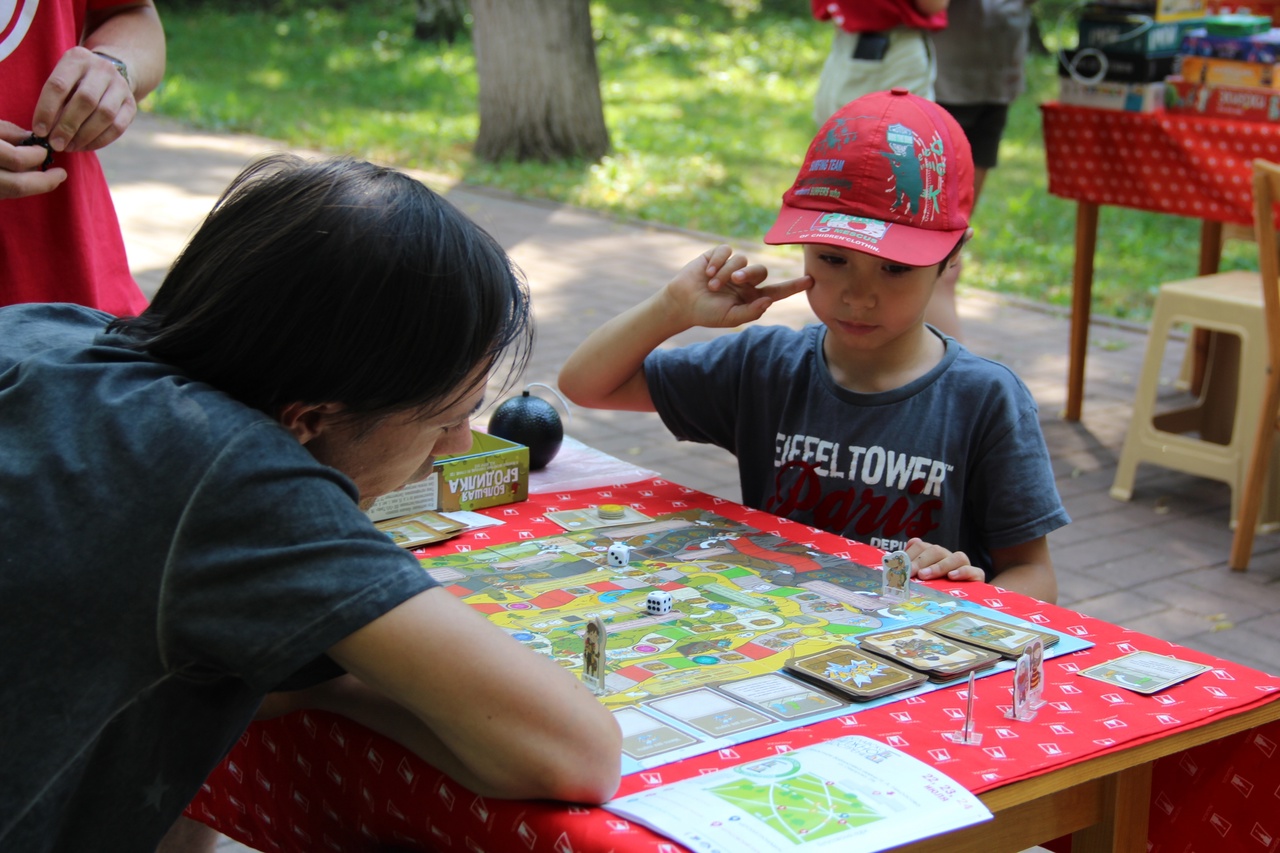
<point x="182" y="528"/>
<point x="872" y="424"/>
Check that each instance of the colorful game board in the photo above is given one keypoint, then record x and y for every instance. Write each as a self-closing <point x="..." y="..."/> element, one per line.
<point x="706" y="674"/>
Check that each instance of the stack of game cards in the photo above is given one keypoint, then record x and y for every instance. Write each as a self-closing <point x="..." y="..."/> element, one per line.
<point x="939" y="658"/>
<point x="425" y="528"/>
<point x="851" y="672"/>
<point x="974" y="629"/>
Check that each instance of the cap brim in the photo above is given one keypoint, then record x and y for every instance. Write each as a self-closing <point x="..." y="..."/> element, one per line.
<point x="892" y="241"/>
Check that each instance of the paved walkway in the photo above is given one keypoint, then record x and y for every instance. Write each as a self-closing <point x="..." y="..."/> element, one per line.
<point x="1156" y="564"/>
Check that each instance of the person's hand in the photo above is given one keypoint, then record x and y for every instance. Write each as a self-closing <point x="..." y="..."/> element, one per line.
<point x="720" y="289"/>
<point x="20" y="173"/>
<point x="933" y="562"/>
<point x="86" y="104"/>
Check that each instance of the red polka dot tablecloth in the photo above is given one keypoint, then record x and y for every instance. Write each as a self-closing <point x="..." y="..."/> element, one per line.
<point x="313" y="781"/>
<point x="1187" y="165"/>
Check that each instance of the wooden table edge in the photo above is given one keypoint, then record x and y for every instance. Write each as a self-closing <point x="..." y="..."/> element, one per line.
<point x="1103" y="803"/>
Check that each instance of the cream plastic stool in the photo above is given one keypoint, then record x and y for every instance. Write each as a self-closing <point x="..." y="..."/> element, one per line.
<point x="1230" y="231"/>
<point x="1224" y="417"/>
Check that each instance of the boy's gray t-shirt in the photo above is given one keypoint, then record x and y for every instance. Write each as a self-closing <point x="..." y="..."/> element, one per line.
<point x="169" y="556"/>
<point x="955" y="457"/>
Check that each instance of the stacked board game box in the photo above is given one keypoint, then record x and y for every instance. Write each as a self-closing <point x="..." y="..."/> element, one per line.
<point x="1228" y="68"/>
<point x="493" y="472"/>
<point x="1157" y="10"/>
<point x="1122" y="29"/>
<point x="1125" y="51"/>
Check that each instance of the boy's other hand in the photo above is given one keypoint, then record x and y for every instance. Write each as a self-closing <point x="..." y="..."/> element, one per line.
<point x="933" y="562"/>
<point x="720" y="289"/>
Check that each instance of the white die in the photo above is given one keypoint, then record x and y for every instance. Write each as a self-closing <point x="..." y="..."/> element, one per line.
<point x="619" y="555"/>
<point x="658" y="602"/>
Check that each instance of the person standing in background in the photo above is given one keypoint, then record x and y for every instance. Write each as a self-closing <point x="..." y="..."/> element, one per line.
<point x="73" y="72"/>
<point x="877" y="45"/>
<point x="981" y="56"/>
<point x="880" y="45"/>
<point x="981" y="70"/>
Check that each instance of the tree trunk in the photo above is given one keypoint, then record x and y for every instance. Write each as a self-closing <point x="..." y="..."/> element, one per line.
<point x="539" y="82"/>
<point x="440" y="20"/>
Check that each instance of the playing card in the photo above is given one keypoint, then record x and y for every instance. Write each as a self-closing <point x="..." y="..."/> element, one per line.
<point x="852" y="672"/>
<point x="984" y="632"/>
<point x="1144" y="672"/>
<point x="589" y="518"/>
<point x="942" y="658"/>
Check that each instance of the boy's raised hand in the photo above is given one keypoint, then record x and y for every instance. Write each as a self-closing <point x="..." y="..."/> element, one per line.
<point x="717" y="289"/>
<point x="720" y="289"/>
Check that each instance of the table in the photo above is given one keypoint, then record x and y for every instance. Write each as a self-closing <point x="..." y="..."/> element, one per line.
<point x="1088" y="764"/>
<point x="1180" y="164"/>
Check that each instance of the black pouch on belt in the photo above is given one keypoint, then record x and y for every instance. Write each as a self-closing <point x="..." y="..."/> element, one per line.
<point x="872" y="46"/>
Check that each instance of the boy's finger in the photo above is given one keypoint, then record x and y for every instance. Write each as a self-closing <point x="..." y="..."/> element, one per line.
<point x="790" y="287"/>
<point x="749" y="273"/>
<point x="716" y="258"/>
<point x="733" y="264"/>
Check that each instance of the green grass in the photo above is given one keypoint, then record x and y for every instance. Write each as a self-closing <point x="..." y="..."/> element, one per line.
<point x="707" y="105"/>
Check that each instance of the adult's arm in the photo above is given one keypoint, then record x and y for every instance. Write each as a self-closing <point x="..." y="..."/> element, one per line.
<point x="932" y="7"/>
<point x="86" y="103"/>
<point x="499" y="718"/>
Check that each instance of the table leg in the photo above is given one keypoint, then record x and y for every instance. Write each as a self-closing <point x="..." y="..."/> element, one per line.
<point x="1210" y="246"/>
<point x="1126" y="804"/>
<point x="1210" y="260"/>
<point x="1081" y="301"/>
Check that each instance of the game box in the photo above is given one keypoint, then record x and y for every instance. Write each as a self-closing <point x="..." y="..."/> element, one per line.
<point x="1158" y="10"/>
<point x="1263" y="47"/>
<point x="1116" y="67"/>
<point x="1241" y="103"/>
<point x="1112" y="95"/>
<point x="1229" y="72"/>
<point x="493" y="472"/>
<point x="1139" y="35"/>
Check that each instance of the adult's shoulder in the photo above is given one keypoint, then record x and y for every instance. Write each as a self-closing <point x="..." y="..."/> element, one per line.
<point x="30" y="328"/>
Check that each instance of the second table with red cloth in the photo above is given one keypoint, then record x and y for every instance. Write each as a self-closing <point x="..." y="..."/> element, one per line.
<point x="1178" y="163"/>
<point x="315" y="781"/>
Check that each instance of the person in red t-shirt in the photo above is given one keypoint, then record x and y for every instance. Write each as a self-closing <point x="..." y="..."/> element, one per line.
<point x="880" y="45"/>
<point x="877" y="45"/>
<point x="73" y="73"/>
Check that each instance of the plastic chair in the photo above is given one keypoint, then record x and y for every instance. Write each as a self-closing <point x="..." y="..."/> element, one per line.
<point x="1218" y="435"/>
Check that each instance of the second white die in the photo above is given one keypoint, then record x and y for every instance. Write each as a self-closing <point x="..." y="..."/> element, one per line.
<point x="658" y="602"/>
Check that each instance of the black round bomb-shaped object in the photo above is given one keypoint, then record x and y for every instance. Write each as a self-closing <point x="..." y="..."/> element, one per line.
<point x="530" y="421"/>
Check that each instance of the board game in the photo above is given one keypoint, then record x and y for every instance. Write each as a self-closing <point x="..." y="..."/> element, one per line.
<point x="708" y="673"/>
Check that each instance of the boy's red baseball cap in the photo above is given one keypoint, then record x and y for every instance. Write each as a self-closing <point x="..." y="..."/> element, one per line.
<point x="890" y="174"/>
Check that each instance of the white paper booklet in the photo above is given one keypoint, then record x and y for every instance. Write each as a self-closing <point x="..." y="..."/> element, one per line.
<point x="852" y="793"/>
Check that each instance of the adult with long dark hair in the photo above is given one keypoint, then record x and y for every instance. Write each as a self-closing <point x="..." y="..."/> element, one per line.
<point x="182" y="524"/>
